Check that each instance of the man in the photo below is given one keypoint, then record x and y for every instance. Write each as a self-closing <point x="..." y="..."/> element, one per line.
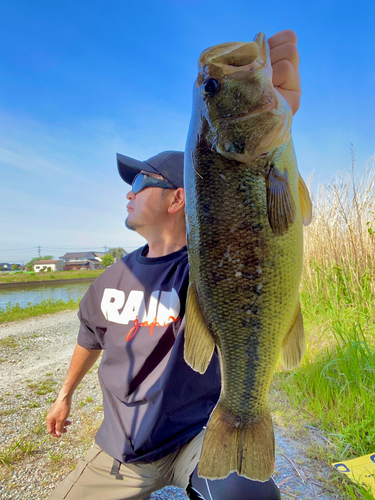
<point x="155" y="406"/>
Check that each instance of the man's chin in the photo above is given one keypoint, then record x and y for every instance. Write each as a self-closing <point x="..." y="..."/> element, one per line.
<point x="131" y="225"/>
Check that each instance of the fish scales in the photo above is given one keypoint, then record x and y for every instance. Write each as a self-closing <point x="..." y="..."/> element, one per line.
<point x="255" y="301"/>
<point x="244" y="220"/>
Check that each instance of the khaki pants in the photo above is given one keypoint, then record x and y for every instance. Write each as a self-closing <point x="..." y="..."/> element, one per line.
<point x="92" y="478"/>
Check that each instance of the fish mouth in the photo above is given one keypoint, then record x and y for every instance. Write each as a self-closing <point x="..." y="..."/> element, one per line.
<point x="236" y="58"/>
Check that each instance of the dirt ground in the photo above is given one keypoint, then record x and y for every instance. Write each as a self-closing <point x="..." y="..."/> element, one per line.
<point x="34" y="357"/>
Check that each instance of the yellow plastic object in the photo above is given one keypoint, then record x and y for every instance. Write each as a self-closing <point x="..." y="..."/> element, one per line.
<point x="360" y="470"/>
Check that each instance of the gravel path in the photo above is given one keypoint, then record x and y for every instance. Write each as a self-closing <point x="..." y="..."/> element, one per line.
<point x="34" y="356"/>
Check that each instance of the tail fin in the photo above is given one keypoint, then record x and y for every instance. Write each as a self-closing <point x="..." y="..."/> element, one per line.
<point x="249" y="451"/>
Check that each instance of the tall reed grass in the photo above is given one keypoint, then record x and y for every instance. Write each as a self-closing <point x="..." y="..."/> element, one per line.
<point x="340" y="243"/>
<point x="336" y="381"/>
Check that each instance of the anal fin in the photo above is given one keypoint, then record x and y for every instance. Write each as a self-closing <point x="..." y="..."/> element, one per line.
<point x="199" y="344"/>
<point x="293" y="345"/>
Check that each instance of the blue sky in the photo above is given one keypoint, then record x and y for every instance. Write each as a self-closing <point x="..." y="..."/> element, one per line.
<point x="80" y="81"/>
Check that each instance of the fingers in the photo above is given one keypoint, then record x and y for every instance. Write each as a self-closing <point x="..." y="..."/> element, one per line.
<point x="285" y="76"/>
<point x="61" y="428"/>
<point x="282" y="37"/>
<point x="285" y="63"/>
<point x="57" y="418"/>
<point x="57" y="428"/>
<point x="286" y="52"/>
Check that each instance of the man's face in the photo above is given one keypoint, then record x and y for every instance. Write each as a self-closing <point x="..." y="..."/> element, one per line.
<point x="148" y="208"/>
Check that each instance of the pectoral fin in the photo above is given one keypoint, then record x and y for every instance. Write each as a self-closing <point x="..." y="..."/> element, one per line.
<point x="199" y="344"/>
<point x="305" y="200"/>
<point x="281" y="208"/>
<point x="293" y="345"/>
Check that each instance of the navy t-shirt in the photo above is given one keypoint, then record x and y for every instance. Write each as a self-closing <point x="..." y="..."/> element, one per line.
<point x="153" y="402"/>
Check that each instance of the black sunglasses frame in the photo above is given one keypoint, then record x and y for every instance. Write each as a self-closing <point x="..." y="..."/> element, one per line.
<point x="148" y="181"/>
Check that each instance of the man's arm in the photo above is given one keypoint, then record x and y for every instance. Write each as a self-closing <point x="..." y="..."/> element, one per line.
<point x="285" y="63"/>
<point x="82" y="360"/>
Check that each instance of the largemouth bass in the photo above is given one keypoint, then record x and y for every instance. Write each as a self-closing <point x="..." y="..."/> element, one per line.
<point x="245" y="207"/>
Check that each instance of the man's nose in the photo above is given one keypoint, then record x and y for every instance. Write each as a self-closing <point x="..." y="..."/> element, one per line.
<point x="130" y="195"/>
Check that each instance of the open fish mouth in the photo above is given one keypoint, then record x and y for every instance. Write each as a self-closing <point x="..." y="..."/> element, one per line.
<point x="237" y="58"/>
<point x="232" y="57"/>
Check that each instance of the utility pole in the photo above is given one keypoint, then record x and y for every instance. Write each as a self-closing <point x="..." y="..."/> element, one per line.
<point x="39" y="250"/>
<point x="105" y="249"/>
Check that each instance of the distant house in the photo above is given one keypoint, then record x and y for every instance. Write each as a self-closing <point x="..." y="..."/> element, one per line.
<point x="5" y="266"/>
<point x="74" y="261"/>
<point x="99" y="255"/>
<point x="43" y="265"/>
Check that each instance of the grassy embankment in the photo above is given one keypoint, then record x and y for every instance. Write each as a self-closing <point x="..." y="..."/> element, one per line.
<point x="16" y="312"/>
<point x="334" y="387"/>
<point x="58" y="275"/>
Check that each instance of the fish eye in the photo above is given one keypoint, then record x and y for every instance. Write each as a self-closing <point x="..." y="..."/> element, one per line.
<point x="211" y="87"/>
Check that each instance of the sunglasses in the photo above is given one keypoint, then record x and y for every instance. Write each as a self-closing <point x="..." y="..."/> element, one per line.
<point x="141" y="181"/>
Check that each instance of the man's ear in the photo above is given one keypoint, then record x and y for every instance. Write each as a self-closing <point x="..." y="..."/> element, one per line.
<point x="177" y="201"/>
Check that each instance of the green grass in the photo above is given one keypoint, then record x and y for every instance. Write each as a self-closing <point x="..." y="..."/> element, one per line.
<point x="9" y="341"/>
<point x="18" y="450"/>
<point x="56" y="457"/>
<point x="44" y="387"/>
<point x="33" y="404"/>
<point x="56" y="275"/>
<point x="48" y="306"/>
<point x="337" y="388"/>
<point x="334" y="387"/>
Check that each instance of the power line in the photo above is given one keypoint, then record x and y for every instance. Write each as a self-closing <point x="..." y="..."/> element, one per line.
<point x="18" y="249"/>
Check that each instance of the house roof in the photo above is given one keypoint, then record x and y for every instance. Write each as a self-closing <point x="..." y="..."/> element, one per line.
<point x="46" y="262"/>
<point x="75" y="255"/>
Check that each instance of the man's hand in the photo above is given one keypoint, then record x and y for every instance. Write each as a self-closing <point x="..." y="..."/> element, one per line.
<point x="56" y="418"/>
<point x="82" y="360"/>
<point x="285" y="61"/>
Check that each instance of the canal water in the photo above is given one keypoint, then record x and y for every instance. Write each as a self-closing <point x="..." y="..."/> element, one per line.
<point x="37" y="294"/>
